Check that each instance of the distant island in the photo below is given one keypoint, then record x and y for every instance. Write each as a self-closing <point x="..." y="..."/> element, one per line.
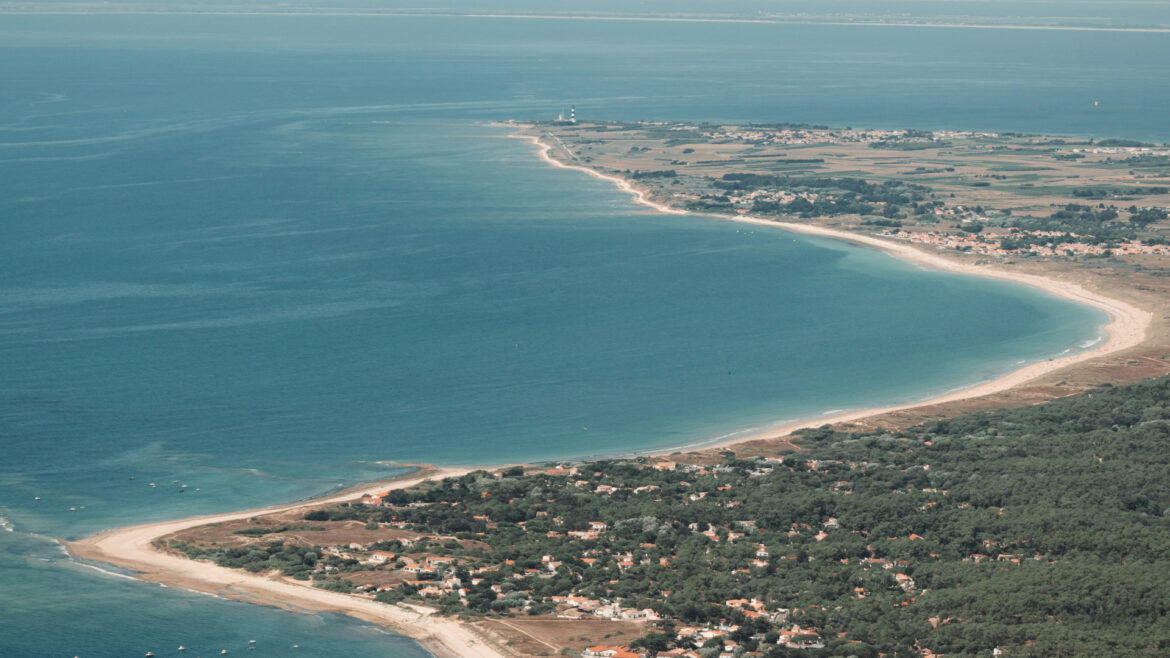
<point x="1027" y="516"/>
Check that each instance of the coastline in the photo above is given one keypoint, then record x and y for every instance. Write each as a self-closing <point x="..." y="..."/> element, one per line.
<point x="132" y="547"/>
<point x="1127" y="326"/>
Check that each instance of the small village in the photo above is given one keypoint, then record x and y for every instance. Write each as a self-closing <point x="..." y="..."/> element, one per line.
<point x="433" y="577"/>
<point x="979" y="192"/>
<point x="973" y="230"/>
<point x="466" y="549"/>
<point x="812" y="135"/>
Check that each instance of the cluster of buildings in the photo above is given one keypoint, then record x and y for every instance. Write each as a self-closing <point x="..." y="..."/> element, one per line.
<point x="1122" y="150"/>
<point x="576" y="607"/>
<point x="798" y="136"/>
<point x="782" y="197"/>
<point x="441" y="577"/>
<point x="792" y="636"/>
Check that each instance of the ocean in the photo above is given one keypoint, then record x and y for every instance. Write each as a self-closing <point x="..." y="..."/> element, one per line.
<point x="261" y="255"/>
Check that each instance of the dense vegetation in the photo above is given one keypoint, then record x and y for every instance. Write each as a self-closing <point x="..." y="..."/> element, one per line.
<point x="295" y="561"/>
<point x="1043" y="531"/>
<point x="1114" y="192"/>
<point x="836" y="196"/>
<point x="1128" y="143"/>
<point x="661" y="173"/>
<point x="1080" y="224"/>
<point x="1146" y="160"/>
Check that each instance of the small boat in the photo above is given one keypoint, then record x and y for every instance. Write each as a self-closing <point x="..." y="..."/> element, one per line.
<point x="149" y="654"/>
<point x="181" y="648"/>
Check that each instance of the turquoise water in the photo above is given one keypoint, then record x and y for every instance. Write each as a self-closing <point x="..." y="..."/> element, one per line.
<point x="56" y="607"/>
<point x="257" y="256"/>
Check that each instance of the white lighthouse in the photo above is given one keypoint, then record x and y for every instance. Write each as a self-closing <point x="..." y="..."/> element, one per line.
<point x="562" y="121"/>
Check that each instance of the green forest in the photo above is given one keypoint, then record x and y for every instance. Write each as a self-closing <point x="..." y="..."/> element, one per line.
<point x="1040" y="531"/>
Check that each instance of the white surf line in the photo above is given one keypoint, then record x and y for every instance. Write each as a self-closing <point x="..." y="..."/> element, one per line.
<point x="623" y="184"/>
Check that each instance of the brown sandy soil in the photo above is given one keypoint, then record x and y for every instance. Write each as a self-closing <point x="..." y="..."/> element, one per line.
<point x="549" y="635"/>
<point x="333" y="533"/>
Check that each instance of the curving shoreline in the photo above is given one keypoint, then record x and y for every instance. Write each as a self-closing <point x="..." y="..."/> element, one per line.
<point x="132" y="547"/>
<point x="1127" y="326"/>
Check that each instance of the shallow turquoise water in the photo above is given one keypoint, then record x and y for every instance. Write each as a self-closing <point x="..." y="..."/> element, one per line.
<point x="264" y="256"/>
<point x="56" y="607"/>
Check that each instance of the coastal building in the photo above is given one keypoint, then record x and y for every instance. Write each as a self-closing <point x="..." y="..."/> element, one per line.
<point x="571" y="121"/>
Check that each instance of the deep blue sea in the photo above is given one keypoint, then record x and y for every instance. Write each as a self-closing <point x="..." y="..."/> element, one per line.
<point x="258" y="255"/>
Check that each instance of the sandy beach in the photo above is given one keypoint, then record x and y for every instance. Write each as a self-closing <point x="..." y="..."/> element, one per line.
<point x="1126" y="328"/>
<point x="132" y="547"/>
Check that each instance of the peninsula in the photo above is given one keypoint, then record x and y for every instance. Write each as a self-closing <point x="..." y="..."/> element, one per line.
<point x="1079" y="218"/>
